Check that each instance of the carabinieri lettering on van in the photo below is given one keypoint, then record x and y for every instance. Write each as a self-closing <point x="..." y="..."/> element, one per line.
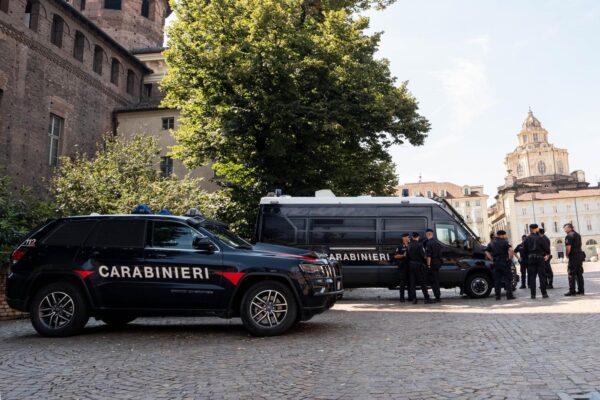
<point x="149" y="272"/>
<point x="360" y="256"/>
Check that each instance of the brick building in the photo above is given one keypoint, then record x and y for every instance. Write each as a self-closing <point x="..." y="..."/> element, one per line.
<point x="64" y="69"/>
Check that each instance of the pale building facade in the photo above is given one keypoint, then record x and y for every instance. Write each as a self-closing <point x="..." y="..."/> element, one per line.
<point x="469" y="201"/>
<point x="539" y="189"/>
<point x="149" y="118"/>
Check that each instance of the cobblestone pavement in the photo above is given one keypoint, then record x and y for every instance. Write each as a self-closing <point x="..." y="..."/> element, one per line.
<point x="368" y="346"/>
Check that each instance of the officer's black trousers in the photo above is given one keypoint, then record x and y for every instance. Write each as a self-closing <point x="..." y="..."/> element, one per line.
<point x="417" y="278"/>
<point x="403" y="280"/>
<point x="536" y="266"/>
<point x="433" y="279"/>
<point x="549" y="273"/>
<point x="502" y="275"/>
<point x="575" y="273"/>
<point x="523" y="273"/>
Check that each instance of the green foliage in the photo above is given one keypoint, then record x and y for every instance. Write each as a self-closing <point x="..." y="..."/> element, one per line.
<point x="287" y="94"/>
<point x="19" y="213"/>
<point x="124" y="173"/>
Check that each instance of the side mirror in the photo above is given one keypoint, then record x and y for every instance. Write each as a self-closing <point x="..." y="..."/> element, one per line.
<point x="203" y="244"/>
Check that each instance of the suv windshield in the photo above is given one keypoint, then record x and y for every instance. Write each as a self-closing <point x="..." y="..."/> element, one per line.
<point x="227" y="236"/>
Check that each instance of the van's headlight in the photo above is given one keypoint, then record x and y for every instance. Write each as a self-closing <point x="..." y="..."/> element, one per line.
<point x="312" y="269"/>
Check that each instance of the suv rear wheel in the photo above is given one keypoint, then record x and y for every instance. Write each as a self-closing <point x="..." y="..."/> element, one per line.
<point x="268" y="308"/>
<point x="58" y="309"/>
<point x="478" y="286"/>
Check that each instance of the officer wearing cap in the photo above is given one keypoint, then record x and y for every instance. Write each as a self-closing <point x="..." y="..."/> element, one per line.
<point x="576" y="256"/>
<point x="433" y="253"/>
<point x="501" y="253"/>
<point x="401" y="258"/>
<point x="416" y="262"/>
<point x="537" y="252"/>
<point x="520" y="252"/>
<point x="549" y="272"/>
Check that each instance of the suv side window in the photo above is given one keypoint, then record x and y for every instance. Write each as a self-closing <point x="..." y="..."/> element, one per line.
<point x="70" y="233"/>
<point x="120" y="233"/>
<point x="173" y="235"/>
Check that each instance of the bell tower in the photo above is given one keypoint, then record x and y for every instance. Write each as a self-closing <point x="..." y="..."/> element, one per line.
<point x="135" y="24"/>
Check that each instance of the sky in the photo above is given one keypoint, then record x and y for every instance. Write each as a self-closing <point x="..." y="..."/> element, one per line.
<point x="477" y="66"/>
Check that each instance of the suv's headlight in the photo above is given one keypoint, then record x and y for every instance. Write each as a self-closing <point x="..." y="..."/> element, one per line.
<point x="312" y="269"/>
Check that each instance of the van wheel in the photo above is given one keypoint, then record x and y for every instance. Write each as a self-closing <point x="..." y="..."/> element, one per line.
<point x="117" y="320"/>
<point x="58" y="309"/>
<point x="268" y="309"/>
<point x="478" y="286"/>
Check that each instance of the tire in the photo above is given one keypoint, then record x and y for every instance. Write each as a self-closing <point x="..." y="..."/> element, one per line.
<point x="58" y="310"/>
<point x="478" y="286"/>
<point x="117" y="320"/>
<point x="268" y="308"/>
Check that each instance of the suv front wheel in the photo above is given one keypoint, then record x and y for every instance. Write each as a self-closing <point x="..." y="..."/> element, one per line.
<point x="268" y="309"/>
<point x="58" y="309"/>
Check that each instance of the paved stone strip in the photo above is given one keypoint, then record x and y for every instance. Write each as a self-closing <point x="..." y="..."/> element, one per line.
<point x="368" y="346"/>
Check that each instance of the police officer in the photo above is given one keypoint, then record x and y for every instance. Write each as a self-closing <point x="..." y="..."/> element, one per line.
<point x="501" y="253"/>
<point x="520" y="252"/>
<point x="416" y="262"/>
<point x="575" y="255"/>
<point x="537" y="252"/>
<point x="401" y="258"/>
<point x="433" y="253"/>
<point x="549" y="272"/>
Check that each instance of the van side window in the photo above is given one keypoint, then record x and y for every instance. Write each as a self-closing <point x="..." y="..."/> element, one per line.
<point x="393" y="228"/>
<point x="70" y="233"/>
<point x="446" y="233"/>
<point x="277" y="229"/>
<point x="121" y="233"/>
<point x="343" y="231"/>
<point x="172" y="235"/>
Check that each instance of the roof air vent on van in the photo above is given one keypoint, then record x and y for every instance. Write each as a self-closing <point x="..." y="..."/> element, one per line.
<point x="324" y="193"/>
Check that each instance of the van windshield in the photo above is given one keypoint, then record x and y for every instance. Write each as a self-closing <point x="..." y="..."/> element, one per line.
<point x="228" y="237"/>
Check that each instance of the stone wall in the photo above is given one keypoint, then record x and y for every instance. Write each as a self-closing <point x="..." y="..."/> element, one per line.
<point x="5" y="311"/>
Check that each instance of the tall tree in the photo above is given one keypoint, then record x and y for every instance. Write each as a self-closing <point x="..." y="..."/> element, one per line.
<point x="287" y="94"/>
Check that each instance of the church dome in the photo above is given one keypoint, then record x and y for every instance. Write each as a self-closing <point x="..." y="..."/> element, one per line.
<point x="531" y="121"/>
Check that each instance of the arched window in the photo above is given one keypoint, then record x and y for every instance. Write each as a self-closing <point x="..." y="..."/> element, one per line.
<point x="130" y="81"/>
<point x="112" y="4"/>
<point x="78" y="46"/>
<point x="56" y="34"/>
<point x="519" y="169"/>
<point x="115" y="68"/>
<point x="542" y="167"/>
<point x="145" y="8"/>
<point x="536" y="137"/>
<point x="98" y="58"/>
<point x="32" y="11"/>
<point x="591" y="242"/>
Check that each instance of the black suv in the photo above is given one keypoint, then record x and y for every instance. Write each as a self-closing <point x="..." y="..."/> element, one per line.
<point x="118" y="267"/>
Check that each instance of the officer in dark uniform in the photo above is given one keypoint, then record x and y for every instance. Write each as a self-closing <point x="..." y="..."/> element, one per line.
<point x="433" y="253"/>
<point x="576" y="256"/>
<point x="416" y="262"/>
<point x="549" y="272"/>
<point x="520" y="251"/>
<point x="401" y="258"/>
<point x="537" y="252"/>
<point x="501" y="253"/>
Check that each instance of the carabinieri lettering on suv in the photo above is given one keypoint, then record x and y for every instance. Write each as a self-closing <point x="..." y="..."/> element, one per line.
<point x="117" y="268"/>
